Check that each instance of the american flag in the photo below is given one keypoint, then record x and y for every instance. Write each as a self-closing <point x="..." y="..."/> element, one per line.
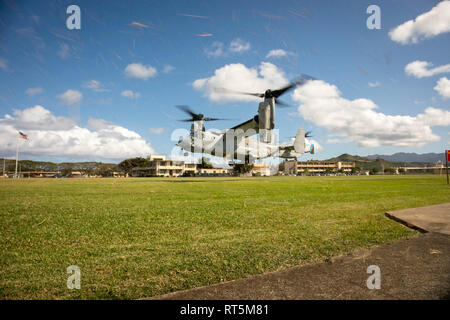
<point x="23" y="135"/>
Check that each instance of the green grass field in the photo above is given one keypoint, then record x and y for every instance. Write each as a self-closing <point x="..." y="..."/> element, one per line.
<point x="135" y="238"/>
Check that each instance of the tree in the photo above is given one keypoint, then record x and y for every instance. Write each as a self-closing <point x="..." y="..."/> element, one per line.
<point x="128" y="164"/>
<point x="66" y="171"/>
<point x="374" y="170"/>
<point x="242" y="168"/>
<point x="205" y="164"/>
<point x="89" y="171"/>
<point x="104" y="170"/>
<point x="188" y="174"/>
<point x="389" y="170"/>
<point x="281" y="166"/>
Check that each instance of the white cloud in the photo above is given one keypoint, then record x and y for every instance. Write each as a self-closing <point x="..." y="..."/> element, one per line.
<point x="420" y="69"/>
<point x="239" y="45"/>
<point x="204" y="34"/>
<point x="426" y="25"/>
<point x="357" y="120"/>
<point x="29" y="33"/>
<point x="278" y="53"/>
<point x="37" y="118"/>
<point x="62" y="137"/>
<point x="435" y="117"/>
<point x="70" y="97"/>
<point x="443" y="87"/>
<point x="238" y="77"/>
<point x="95" y="85"/>
<point x="139" y="25"/>
<point x="216" y="49"/>
<point x="130" y="94"/>
<point x="140" y="71"/>
<point x="374" y="84"/>
<point x="33" y="91"/>
<point x="36" y="18"/>
<point x="168" y="68"/>
<point x="64" y="51"/>
<point x="4" y="64"/>
<point x="335" y="140"/>
<point x="156" y="130"/>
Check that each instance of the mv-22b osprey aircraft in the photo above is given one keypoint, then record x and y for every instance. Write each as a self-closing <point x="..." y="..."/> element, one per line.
<point x="236" y="143"/>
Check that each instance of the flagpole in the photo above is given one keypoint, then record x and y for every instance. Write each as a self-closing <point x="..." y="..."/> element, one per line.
<point x="17" y="157"/>
<point x="446" y="162"/>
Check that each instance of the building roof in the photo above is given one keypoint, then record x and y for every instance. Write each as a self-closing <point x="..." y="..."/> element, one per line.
<point x="260" y="165"/>
<point x="153" y="157"/>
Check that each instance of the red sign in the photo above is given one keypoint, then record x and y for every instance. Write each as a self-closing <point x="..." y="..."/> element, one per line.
<point x="448" y="155"/>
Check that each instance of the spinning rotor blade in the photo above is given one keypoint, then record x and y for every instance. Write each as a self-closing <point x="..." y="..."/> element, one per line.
<point x="213" y="119"/>
<point x="195" y="116"/>
<point x="307" y="135"/>
<point x="298" y="82"/>
<point x="279" y="92"/>
<point x="186" y="109"/>
<point x="259" y="95"/>
<point x="282" y="104"/>
<point x="303" y="78"/>
<point x="273" y="93"/>
<point x="202" y="119"/>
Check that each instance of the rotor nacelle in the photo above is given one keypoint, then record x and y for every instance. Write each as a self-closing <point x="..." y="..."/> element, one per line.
<point x="266" y="119"/>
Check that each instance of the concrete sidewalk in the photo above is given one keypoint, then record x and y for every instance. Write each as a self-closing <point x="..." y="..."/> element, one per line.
<point x="431" y="219"/>
<point x="416" y="268"/>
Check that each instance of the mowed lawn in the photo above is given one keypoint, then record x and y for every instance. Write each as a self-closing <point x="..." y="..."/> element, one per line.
<point x="135" y="238"/>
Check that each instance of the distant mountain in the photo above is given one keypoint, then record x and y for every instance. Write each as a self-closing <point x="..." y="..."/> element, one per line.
<point x="411" y="157"/>
<point x="349" y="157"/>
<point x="366" y="163"/>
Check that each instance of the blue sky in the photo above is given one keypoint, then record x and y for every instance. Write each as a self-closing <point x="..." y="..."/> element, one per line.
<point x="328" y="40"/>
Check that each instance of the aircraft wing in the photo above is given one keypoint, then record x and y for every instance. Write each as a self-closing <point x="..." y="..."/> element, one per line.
<point x="247" y="125"/>
<point x="287" y="147"/>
